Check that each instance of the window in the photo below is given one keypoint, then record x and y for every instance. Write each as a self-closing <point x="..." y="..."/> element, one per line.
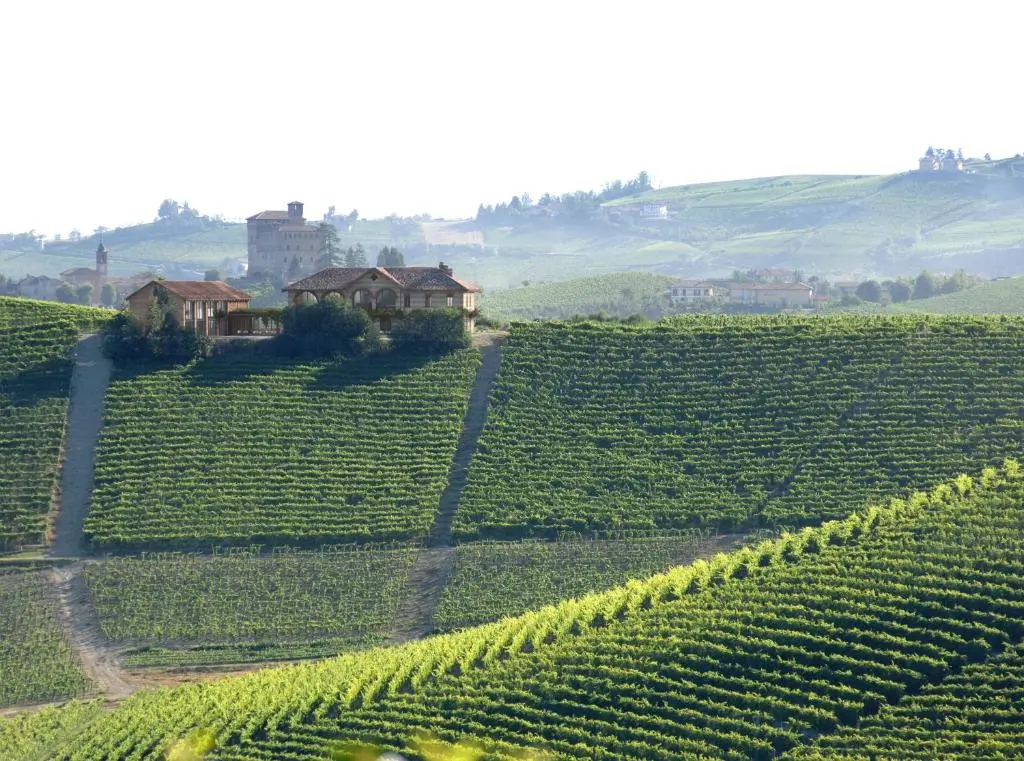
<point x="426" y="300"/>
<point x="450" y="300"/>
<point x="407" y="301"/>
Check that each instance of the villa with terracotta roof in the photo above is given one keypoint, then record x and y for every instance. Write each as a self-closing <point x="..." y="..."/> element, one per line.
<point x="387" y="291"/>
<point x="282" y="241"/>
<point x="200" y="305"/>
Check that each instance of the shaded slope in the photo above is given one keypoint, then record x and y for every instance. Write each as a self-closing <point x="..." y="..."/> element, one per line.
<point x="746" y="656"/>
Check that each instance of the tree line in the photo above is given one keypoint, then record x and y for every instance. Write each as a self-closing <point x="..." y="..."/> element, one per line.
<point x="578" y="204"/>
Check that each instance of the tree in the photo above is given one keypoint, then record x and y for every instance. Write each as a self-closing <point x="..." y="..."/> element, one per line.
<point x="988" y="157"/>
<point x="108" y="295"/>
<point x="65" y="295"/>
<point x="899" y="292"/>
<point x="74" y="236"/>
<point x="83" y="294"/>
<point x="390" y="257"/>
<point x="930" y="153"/>
<point x="211" y="275"/>
<point x="870" y="290"/>
<point x="356" y="257"/>
<point x="430" y="331"/>
<point x="326" y="329"/>
<point x="924" y="285"/>
<point x="169" y="208"/>
<point x="330" y="249"/>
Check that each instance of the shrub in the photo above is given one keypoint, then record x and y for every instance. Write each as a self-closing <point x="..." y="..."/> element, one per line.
<point x="433" y="331"/>
<point x="127" y="340"/>
<point x="326" y="329"/>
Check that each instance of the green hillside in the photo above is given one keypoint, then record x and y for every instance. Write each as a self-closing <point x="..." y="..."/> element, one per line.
<point x="619" y="295"/>
<point x="262" y="450"/>
<point x="36" y="339"/>
<point x="749" y="656"/>
<point x="997" y="297"/>
<point x="735" y="422"/>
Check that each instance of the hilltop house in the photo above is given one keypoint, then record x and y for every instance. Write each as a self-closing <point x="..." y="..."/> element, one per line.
<point x="941" y="161"/>
<point x="692" y="290"/>
<point x="654" y="211"/>
<point x="280" y="242"/>
<point x="199" y="305"/>
<point x="772" y="294"/>
<point x="41" y="287"/>
<point x="389" y="291"/>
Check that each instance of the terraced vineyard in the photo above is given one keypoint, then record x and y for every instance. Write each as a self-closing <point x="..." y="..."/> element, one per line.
<point x="976" y="714"/>
<point x="236" y="451"/>
<point x="35" y="373"/>
<point x="492" y="580"/>
<point x="243" y="606"/>
<point x="736" y="422"/>
<point x="36" y="661"/>
<point x="745" y="657"/>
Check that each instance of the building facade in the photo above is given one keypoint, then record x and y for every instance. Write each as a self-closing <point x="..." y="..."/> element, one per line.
<point x="692" y="290"/>
<point x="387" y="291"/>
<point x="772" y="294"/>
<point x="282" y="243"/>
<point x="199" y="305"/>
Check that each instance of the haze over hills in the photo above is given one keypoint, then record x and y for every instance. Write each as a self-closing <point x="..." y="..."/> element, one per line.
<point x="835" y="226"/>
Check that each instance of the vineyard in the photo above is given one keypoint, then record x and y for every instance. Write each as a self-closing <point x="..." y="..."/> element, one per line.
<point x="36" y="339"/>
<point x="243" y="606"/>
<point x="749" y="655"/>
<point x="256" y="450"/>
<point x="36" y="662"/>
<point x="619" y="294"/>
<point x="736" y="422"/>
<point x="976" y="714"/>
<point x="34" y="736"/>
<point x="493" y="580"/>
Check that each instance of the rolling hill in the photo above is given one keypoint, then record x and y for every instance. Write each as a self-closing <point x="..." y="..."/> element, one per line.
<point x="836" y="226"/>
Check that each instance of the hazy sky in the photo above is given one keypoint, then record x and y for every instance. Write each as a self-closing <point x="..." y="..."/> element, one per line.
<point x="411" y="107"/>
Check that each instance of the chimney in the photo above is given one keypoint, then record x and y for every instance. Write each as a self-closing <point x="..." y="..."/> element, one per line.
<point x="444" y="268"/>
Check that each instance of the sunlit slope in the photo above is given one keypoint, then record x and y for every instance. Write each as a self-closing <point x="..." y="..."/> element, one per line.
<point x="735" y="422"/>
<point x="243" y="450"/>
<point x="744" y="657"/>
<point x="36" y="339"/>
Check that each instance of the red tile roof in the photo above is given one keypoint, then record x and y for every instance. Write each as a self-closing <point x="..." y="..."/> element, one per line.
<point x="411" y="278"/>
<point x="201" y="290"/>
<point x="268" y="215"/>
<point x="771" y="287"/>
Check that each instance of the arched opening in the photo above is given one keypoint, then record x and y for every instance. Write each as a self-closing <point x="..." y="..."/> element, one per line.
<point x="334" y="296"/>
<point x="304" y="297"/>
<point x="387" y="299"/>
<point x="362" y="298"/>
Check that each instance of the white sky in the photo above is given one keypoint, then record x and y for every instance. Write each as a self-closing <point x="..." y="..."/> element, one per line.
<point x="107" y="107"/>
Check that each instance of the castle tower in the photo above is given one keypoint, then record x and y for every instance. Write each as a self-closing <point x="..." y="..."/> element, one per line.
<point x="295" y="213"/>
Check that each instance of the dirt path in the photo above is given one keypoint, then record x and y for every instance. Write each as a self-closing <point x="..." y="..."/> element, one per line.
<point x="99" y="662"/>
<point x="427" y="579"/>
<point x="476" y="415"/>
<point x="89" y="383"/>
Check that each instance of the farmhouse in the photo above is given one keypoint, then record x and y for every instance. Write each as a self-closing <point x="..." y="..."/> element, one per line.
<point x="772" y="294"/>
<point x="201" y="306"/>
<point x="39" y="287"/>
<point x="279" y="241"/>
<point x="692" y="290"/>
<point x="386" y="292"/>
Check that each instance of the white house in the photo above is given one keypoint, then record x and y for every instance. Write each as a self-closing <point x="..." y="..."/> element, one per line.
<point x="691" y="290"/>
<point x="654" y="211"/>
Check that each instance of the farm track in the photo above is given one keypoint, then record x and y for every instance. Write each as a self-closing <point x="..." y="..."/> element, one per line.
<point x="99" y="662"/>
<point x="430" y="572"/>
<point x="89" y="382"/>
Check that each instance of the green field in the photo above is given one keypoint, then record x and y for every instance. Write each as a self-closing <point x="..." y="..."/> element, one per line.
<point x="36" y="661"/>
<point x="36" y="339"/>
<point x="258" y="450"/>
<point x="619" y="295"/>
<point x="493" y="580"/>
<point x="735" y="422"/>
<point x="246" y="606"/>
<point x="749" y="656"/>
<point x="997" y="297"/>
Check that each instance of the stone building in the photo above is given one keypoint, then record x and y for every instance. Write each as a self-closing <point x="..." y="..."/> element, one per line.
<point x="385" y="291"/>
<point x="772" y="294"/>
<point x="79" y="276"/>
<point x="200" y="305"/>
<point x="282" y="242"/>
